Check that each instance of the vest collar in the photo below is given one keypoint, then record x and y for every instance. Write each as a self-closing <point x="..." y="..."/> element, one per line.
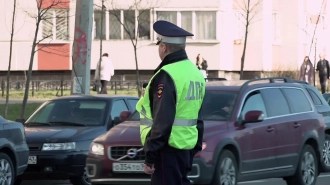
<point x="172" y="58"/>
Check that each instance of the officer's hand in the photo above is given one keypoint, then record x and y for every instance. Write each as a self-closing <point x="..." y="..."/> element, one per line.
<point x="149" y="170"/>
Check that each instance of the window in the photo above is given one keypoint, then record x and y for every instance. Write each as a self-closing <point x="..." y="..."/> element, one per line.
<point x="98" y="24"/>
<point x="254" y="102"/>
<point x="55" y="25"/>
<point x="275" y="102"/>
<point x="276" y="27"/>
<point x="88" y="112"/>
<point x="201" y="23"/>
<point x="305" y="27"/>
<point x="131" y="20"/>
<point x="315" y="98"/>
<point x="117" y="107"/>
<point x="218" y="105"/>
<point x="239" y="22"/>
<point x="298" y="100"/>
<point x="135" y="116"/>
<point x="132" y="103"/>
<point x="115" y="24"/>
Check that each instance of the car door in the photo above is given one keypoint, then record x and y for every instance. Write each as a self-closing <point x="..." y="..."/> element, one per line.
<point x="279" y="113"/>
<point x="256" y="139"/>
<point x="118" y="106"/>
<point x="291" y="137"/>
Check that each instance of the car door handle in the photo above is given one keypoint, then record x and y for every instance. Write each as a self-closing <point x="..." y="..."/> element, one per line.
<point x="270" y="129"/>
<point x="296" y="125"/>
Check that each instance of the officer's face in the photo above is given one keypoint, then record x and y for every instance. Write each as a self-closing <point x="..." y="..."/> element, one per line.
<point x="162" y="50"/>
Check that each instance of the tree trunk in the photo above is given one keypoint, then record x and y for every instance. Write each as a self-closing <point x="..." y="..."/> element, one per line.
<point x="244" y="49"/>
<point x="27" y="83"/>
<point x="137" y="72"/>
<point x="9" y="63"/>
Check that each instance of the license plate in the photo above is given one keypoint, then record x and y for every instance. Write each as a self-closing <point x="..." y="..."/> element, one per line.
<point x="127" y="167"/>
<point x="32" y="160"/>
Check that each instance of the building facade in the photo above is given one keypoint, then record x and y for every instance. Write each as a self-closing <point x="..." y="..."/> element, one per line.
<point x="279" y="35"/>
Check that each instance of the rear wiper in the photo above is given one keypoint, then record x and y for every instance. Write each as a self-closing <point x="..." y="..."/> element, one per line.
<point x="36" y="123"/>
<point x="67" y="123"/>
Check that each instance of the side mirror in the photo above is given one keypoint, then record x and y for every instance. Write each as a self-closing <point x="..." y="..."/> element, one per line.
<point x="124" y="115"/>
<point x="253" y="116"/>
<point x="20" y="120"/>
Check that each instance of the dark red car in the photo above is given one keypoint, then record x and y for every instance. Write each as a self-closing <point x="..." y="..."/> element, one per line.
<point x="262" y="128"/>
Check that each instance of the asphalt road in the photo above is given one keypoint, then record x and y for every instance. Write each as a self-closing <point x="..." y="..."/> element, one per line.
<point x="324" y="179"/>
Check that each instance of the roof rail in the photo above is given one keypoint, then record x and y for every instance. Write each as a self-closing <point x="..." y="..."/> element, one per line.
<point x="215" y="79"/>
<point x="300" y="81"/>
<point x="271" y="80"/>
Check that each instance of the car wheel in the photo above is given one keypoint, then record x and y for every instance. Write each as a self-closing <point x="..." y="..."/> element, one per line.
<point x="326" y="154"/>
<point x="83" y="180"/>
<point x="226" y="170"/>
<point x="7" y="172"/>
<point x="307" y="169"/>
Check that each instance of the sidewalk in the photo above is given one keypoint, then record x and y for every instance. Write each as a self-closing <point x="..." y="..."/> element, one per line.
<point x="14" y="101"/>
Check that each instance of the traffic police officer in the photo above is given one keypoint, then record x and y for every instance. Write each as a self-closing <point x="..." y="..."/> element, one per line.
<point x="170" y="126"/>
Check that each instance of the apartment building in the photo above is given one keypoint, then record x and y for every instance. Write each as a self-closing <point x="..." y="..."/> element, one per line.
<point x="279" y="36"/>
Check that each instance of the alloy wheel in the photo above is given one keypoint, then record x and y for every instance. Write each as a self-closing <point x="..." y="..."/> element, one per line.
<point x="6" y="175"/>
<point x="326" y="153"/>
<point x="227" y="172"/>
<point x="308" y="168"/>
<point x="85" y="177"/>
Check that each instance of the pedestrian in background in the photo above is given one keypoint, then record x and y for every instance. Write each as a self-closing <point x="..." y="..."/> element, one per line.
<point x="171" y="130"/>
<point x="105" y="72"/>
<point x="201" y="64"/>
<point x="324" y="72"/>
<point x="307" y="71"/>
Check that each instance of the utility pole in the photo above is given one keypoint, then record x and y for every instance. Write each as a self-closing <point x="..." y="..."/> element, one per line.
<point x="81" y="54"/>
<point x="100" y="60"/>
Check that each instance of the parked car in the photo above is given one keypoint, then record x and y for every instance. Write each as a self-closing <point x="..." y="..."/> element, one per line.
<point x="61" y="130"/>
<point x="14" y="151"/>
<point x="270" y="131"/>
<point x="322" y="106"/>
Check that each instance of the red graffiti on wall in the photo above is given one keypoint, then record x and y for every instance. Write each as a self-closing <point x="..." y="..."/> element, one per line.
<point x="81" y="46"/>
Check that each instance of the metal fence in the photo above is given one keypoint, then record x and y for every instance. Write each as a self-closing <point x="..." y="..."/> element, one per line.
<point x="64" y="85"/>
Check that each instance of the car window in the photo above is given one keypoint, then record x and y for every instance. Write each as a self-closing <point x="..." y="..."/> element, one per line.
<point x="297" y="99"/>
<point x="218" y="105"/>
<point x="88" y="112"/>
<point x="275" y="102"/>
<point x="327" y="98"/>
<point x="132" y="103"/>
<point x="117" y="107"/>
<point x="134" y="117"/>
<point x="254" y="101"/>
<point x="315" y="98"/>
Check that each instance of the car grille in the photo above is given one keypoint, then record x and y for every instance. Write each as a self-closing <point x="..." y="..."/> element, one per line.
<point x="116" y="152"/>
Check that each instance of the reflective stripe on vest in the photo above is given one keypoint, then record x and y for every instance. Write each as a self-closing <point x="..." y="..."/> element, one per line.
<point x="177" y="122"/>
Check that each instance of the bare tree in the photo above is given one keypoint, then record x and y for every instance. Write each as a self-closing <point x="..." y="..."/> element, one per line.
<point x="248" y="9"/>
<point x="138" y="11"/>
<point x="10" y="54"/>
<point x="42" y="15"/>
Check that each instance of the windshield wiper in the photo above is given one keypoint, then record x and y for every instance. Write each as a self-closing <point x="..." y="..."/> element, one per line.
<point x="36" y="123"/>
<point x="68" y="123"/>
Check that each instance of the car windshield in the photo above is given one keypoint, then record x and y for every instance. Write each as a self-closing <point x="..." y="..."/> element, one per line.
<point x="216" y="106"/>
<point x="69" y="113"/>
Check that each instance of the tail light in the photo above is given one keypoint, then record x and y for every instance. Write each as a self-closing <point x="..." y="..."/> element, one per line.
<point x="323" y="126"/>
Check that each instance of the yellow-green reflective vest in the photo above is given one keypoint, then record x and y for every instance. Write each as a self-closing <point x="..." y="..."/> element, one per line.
<point x="190" y="89"/>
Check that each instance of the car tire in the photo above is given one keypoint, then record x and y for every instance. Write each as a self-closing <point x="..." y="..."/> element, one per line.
<point x="83" y="180"/>
<point x="18" y="182"/>
<point x="304" y="171"/>
<point x="226" y="169"/>
<point x="7" y="169"/>
<point x="325" y="165"/>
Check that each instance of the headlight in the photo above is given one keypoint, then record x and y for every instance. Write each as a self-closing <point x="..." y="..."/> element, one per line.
<point x="97" y="149"/>
<point x="59" y="146"/>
